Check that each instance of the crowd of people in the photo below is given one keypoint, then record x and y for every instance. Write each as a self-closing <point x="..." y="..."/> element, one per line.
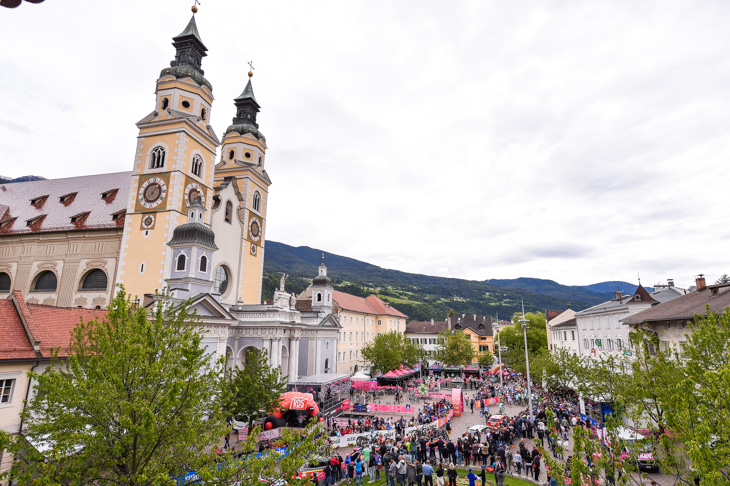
<point x="429" y="412"/>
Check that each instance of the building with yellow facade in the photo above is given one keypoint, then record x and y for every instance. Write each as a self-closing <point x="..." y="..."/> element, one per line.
<point x="478" y="328"/>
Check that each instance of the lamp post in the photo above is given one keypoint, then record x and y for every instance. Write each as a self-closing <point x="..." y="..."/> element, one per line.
<point x="527" y="360"/>
<point x="499" y="348"/>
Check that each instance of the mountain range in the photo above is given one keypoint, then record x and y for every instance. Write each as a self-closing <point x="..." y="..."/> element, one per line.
<point x="424" y="297"/>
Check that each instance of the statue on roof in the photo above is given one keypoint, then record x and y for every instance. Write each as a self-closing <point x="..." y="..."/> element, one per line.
<point x="282" y="282"/>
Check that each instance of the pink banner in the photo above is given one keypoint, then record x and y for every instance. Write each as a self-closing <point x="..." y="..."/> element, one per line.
<point x="365" y="385"/>
<point x="377" y="407"/>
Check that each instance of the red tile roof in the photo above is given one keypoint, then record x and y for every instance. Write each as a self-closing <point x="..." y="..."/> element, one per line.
<point x="49" y="326"/>
<point x="382" y="307"/>
<point x="18" y="215"/>
<point x="368" y="305"/>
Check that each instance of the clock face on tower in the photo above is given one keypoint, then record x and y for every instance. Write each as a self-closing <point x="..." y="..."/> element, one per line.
<point x="254" y="228"/>
<point x="192" y="192"/>
<point x="152" y="192"/>
<point x="148" y="221"/>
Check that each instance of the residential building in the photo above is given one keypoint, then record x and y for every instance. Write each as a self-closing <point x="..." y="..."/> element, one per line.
<point x="600" y="329"/>
<point x="29" y="333"/>
<point x="672" y="320"/>
<point x="562" y="331"/>
<point x="426" y="334"/>
<point x="478" y="328"/>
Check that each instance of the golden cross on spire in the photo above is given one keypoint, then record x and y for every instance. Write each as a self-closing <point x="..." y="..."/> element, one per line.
<point x="251" y="68"/>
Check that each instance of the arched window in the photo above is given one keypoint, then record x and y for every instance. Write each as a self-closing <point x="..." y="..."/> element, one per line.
<point x="229" y="211"/>
<point x="46" y="282"/>
<point x="203" y="113"/>
<point x="203" y="264"/>
<point x="327" y="365"/>
<point x="220" y="280"/>
<point x="157" y="158"/>
<point x="165" y="103"/>
<point x="94" y="280"/>
<point x="231" y="154"/>
<point x="4" y="282"/>
<point x="256" y="201"/>
<point x="319" y="297"/>
<point x="197" y="165"/>
<point x="181" y="260"/>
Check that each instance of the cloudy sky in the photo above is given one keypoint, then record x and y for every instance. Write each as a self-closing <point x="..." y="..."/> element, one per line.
<point x="570" y="140"/>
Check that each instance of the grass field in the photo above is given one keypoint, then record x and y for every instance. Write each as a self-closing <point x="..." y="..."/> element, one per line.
<point x="463" y="481"/>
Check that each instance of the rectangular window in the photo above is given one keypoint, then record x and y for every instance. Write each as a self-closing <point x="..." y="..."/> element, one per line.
<point x="572" y="335"/>
<point x="7" y="387"/>
<point x="565" y="335"/>
<point x="380" y="322"/>
<point x="617" y="324"/>
<point x="592" y="325"/>
<point x="585" y="344"/>
<point x="598" y="323"/>
<point x="584" y="324"/>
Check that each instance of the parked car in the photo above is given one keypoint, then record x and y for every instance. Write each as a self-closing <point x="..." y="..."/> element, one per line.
<point x="496" y="421"/>
<point x="637" y="448"/>
<point x="476" y="428"/>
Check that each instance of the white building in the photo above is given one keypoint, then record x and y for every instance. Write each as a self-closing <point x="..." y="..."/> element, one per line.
<point x="600" y="329"/>
<point x="563" y="332"/>
<point x="426" y="334"/>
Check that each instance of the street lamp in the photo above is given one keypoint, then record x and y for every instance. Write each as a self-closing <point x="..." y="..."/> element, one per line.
<point x="527" y="359"/>
<point x="499" y="347"/>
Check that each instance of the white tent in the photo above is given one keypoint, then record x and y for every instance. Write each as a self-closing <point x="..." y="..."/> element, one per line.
<point x="360" y="376"/>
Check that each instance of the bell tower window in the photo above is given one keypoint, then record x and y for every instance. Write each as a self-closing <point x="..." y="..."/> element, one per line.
<point x="181" y="260"/>
<point x="256" y="201"/>
<point x="165" y="103"/>
<point x="157" y="158"/>
<point x="231" y="154"/>
<point x="197" y="165"/>
<point x="203" y="113"/>
<point x="203" y="264"/>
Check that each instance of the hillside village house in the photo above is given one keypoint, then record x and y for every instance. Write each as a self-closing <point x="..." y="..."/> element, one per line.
<point x="600" y="329"/>
<point x="562" y="331"/>
<point x="426" y="334"/>
<point x="671" y="321"/>
<point x="478" y="328"/>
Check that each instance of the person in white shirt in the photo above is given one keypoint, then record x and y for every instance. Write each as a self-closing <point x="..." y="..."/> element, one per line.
<point x="518" y="462"/>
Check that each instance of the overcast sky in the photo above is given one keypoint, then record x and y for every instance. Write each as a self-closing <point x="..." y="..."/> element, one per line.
<point x="574" y="141"/>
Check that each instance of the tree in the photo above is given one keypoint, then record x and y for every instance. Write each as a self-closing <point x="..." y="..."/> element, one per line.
<point x="253" y="391"/>
<point x="513" y="338"/>
<point x="725" y="278"/>
<point x="390" y="350"/>
<point x="454" y="348"/>
<point x="486" y="359"/>
<point x="134" y="403"/>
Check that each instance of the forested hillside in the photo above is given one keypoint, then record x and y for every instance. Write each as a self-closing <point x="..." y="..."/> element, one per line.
<point x="421" y="297"/>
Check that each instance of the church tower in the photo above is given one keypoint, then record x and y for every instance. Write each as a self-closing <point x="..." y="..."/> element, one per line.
<point x="173" y="167"/>
<point x="322" y="291"/>
<point x="242" y="165"/>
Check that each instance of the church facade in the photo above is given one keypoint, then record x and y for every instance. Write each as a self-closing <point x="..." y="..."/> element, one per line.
<point x="187" y="217"/>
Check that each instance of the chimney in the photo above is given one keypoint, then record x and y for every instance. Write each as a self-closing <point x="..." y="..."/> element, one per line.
<point x="670" y="282"/>
<point x="475" y="318"/>
<point x="431" y="322"/>
<point x="700" y="282"/>
<point x="619" y="296"/>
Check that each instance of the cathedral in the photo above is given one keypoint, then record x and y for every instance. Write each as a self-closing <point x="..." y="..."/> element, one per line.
<point x="188" y="217"/>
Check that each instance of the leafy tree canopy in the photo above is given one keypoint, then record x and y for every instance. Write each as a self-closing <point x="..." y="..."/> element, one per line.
<point x="253" y="391"/>
<point x="454" y="348"/>
<point x="389" y="350"/>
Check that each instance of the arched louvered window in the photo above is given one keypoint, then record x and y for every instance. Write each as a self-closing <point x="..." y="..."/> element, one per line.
<point x="181" y="260"/>
<point x="94" y="280"/>
<point x="46" y="282"/>
<point x="157" y="158"/>
<point x="256" y="201"/>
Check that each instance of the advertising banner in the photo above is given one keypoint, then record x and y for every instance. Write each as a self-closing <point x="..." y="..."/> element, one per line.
<point x="379" y="407"/>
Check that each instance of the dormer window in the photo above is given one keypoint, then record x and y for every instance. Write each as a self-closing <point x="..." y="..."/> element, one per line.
<point x="119" y="215"/>
<point x="79" y="218"/>
<point x="36" y="220"/>
<point x="109" y="195"/>
<point x="38" y="201"/>
<point x="68" y="198"/>
<point x="157" y="158"/>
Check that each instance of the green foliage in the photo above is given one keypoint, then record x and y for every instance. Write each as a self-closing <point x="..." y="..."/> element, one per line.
<point x="433" y="296"/>
<point x="253" y="391"/>
<point x="134" y="404"/>
<point x="486" y="359"/>
<point x="454" y="348"/>
<point x="725" y="278"/>
<point x="271" y="281"/>
<point x="389" y="350"/>
<point x="512" y="337"/>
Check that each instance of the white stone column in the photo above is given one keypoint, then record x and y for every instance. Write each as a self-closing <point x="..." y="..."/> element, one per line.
<point x="290" y="370"/>
<point x="317" y="354"/>
<point x="295" y="358"/>
<point x="276" y="353"/>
